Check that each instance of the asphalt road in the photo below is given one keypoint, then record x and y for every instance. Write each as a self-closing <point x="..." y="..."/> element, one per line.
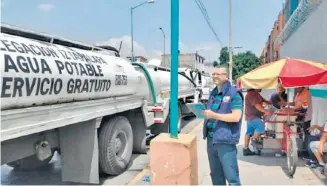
<point x="51" y="174"/>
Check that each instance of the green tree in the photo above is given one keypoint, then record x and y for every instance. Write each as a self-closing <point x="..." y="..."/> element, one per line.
<point x="215" y="63"/>
<point x="244" y="63"/>
<point x="224" y="56"/>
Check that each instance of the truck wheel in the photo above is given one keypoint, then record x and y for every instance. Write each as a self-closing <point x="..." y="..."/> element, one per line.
<point x="158" y="128"/>
<point x="29" y="163"/>
<point x="139" y="141"/>
<point x="115" y="145"/>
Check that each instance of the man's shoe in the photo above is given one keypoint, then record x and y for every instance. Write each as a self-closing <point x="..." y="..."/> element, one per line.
<point x="311" y="164"/>
<point x="321" y="168"/>
<point x="306" y="158"/>
<point x="248" y="152"/>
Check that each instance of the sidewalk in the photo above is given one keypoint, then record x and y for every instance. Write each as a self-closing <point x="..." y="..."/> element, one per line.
<point x="254" y="170"/>
<point x="266" y="169"/>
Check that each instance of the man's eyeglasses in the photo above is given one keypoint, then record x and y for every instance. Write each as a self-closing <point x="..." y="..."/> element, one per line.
<point x="217" y="74"/>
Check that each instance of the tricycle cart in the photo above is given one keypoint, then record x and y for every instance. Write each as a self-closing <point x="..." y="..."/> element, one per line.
<point x="290" y="73"/>
<point x="285" y="134"/>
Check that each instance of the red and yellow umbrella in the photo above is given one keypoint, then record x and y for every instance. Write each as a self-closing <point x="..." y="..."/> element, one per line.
<point x="289" y="72"/>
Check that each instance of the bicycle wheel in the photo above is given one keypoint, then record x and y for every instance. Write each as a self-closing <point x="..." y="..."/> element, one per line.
<point x="292" y="155"/>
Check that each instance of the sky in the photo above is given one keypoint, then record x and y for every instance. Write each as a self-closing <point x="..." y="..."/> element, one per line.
<point x="108" y="22"/>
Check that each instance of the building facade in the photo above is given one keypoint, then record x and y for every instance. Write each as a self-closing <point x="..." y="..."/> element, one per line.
<point x="304" y="37"/>
<point x="271" y="51"/>
<point x="188" y="60"/>
<point x="138" y="58"/>
<point x="289" y="8"/>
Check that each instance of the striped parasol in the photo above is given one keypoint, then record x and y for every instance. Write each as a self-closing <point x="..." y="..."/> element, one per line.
<point x="290" y="72"/>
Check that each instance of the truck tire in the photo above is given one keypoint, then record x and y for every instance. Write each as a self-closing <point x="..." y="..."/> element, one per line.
<point x="158" y="128"/>
<point x="139" y="141"/>
<point x="115" y="145"/>
<point x="29" y="163"/>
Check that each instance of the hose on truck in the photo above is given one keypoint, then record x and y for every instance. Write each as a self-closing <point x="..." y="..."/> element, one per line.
<point x="148" y="77"/>
<point x="180" y="73"/>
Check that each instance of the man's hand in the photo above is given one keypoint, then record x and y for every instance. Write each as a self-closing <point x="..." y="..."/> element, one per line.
<point x="310" y="129"/>
<point x="209" y="114"/>
<point x="283" y="103"/>
<point x="233" y="117"/>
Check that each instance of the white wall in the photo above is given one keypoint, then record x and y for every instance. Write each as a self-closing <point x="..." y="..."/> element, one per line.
<point x="310" y="42"/>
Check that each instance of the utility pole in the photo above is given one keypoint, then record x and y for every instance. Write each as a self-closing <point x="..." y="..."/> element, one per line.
<point x="164" y="50"/>
<point x="132" y="31"/>
<point x="230" y="43"/>
<point x="132" y="34"/>
<point x="196" y="57"/>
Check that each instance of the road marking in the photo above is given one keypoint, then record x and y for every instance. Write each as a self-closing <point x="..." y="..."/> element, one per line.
<point x="139" y="176"/>
<point x="145" y="171"/>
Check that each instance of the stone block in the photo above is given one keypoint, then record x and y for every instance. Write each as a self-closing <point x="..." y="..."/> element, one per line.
<point x="174" y="161"/>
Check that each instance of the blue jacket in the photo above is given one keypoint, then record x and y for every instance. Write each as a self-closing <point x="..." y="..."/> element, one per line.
<point x="224" y="132"/>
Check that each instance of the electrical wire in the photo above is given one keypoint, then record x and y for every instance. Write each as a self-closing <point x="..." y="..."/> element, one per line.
<point x="207" y="18"/>
<point x="203" y="9"/>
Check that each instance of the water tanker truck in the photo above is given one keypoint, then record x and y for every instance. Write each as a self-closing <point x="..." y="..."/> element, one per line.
<point x="203" y="82"/>
<point x="88" y="104"/>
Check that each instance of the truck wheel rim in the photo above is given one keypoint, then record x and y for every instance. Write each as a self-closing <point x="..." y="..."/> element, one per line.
<point x="120" y="143"/>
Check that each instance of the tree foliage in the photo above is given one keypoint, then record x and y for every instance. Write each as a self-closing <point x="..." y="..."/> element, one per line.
<point x="242" y="62"/>
<point x="215" y="63"/>
<point x="224" y="56"/>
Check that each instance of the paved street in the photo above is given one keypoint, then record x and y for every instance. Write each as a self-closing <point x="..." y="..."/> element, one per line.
<point x="266" y="169"/>
<point x="51" y="174"/>
<point x="255" y="170"/>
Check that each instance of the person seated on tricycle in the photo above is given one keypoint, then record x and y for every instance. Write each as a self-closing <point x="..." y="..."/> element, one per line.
<point x="279" y="98"/>
<point x="318" y="148"/>
<point x="303" y="104"/>
<point x="253" y="115"/>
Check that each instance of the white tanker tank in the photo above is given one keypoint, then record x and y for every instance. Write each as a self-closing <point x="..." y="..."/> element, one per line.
<point x="203" y="81"/>
<point x="38" y="73"/>
<point x="160" y="78"/>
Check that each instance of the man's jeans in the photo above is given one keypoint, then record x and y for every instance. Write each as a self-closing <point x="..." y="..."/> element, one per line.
<point x="223" y="163"/>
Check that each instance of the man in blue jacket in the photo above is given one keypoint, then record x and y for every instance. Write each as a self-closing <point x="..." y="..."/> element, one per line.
<point x="222" y="129"/>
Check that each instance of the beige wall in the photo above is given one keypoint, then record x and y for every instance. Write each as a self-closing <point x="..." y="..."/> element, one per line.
<point x="185" y="60"/>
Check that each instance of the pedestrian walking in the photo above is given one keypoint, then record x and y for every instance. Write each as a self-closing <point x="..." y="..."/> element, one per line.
<point x="222" y="129"/>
